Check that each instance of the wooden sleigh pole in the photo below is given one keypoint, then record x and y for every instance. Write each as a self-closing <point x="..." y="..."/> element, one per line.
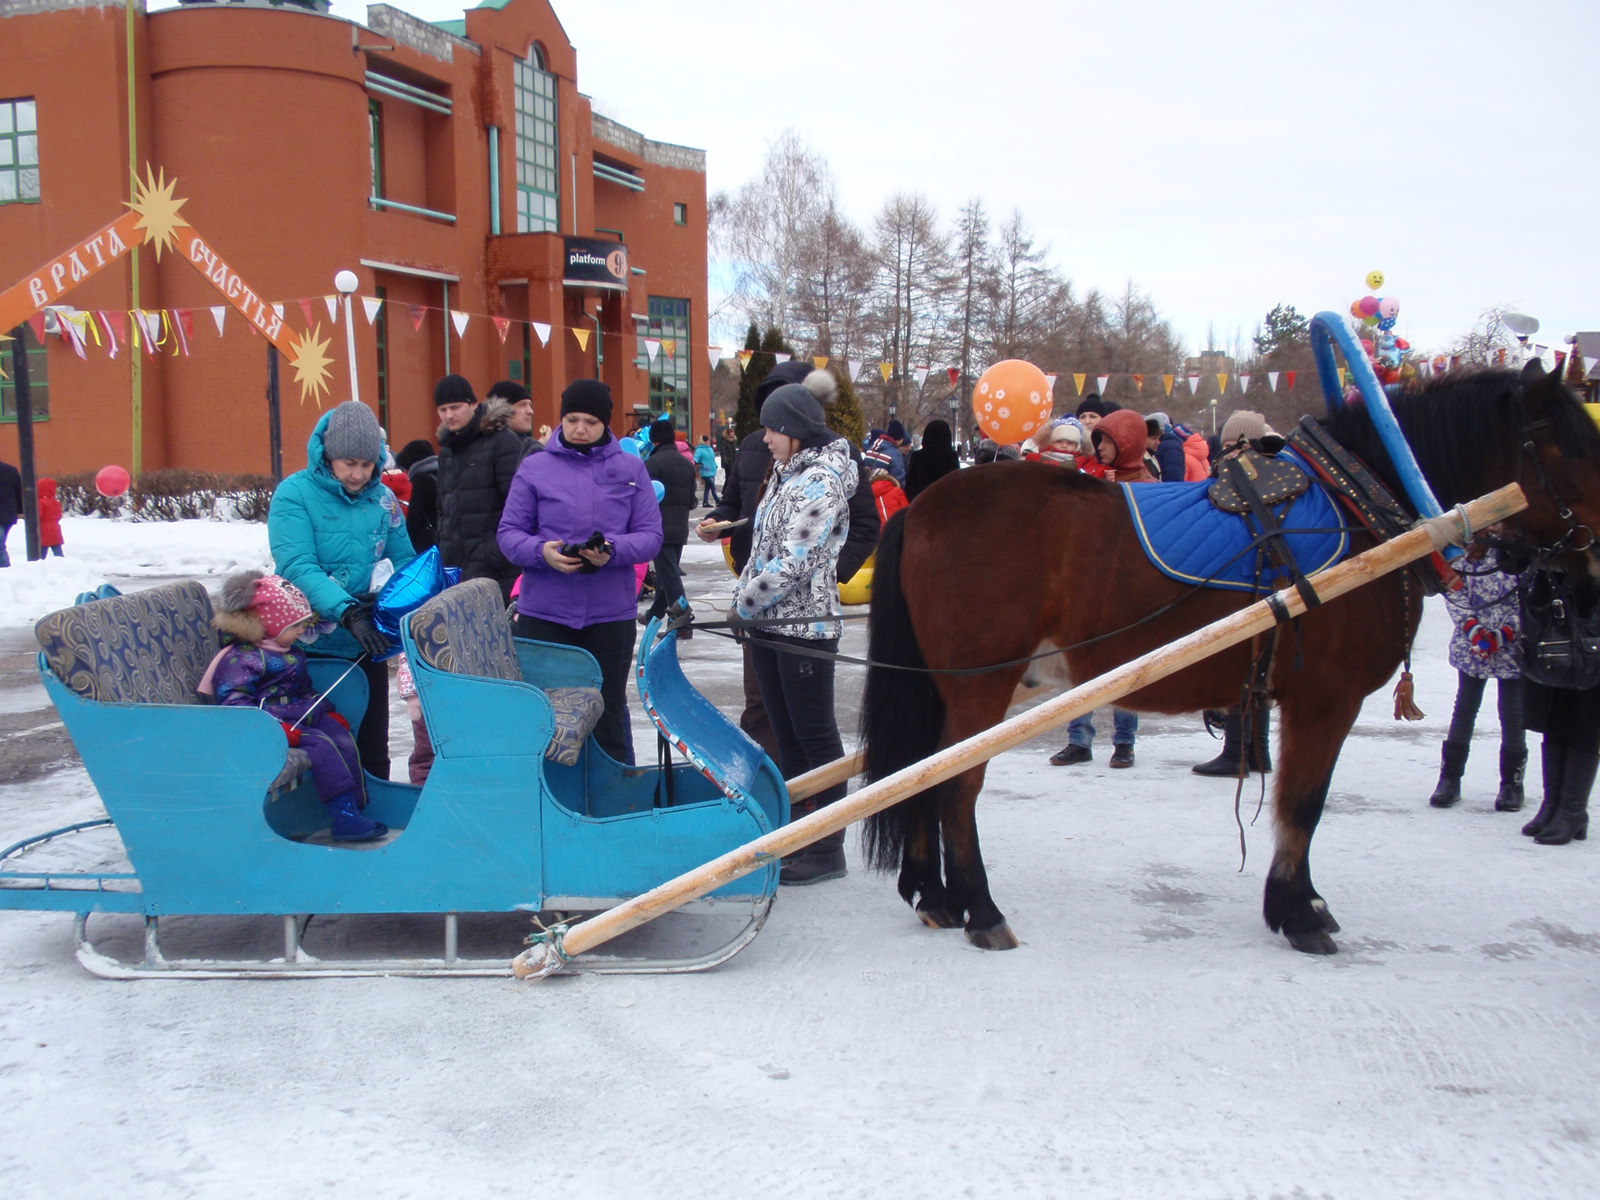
<point x="560" y="945"/>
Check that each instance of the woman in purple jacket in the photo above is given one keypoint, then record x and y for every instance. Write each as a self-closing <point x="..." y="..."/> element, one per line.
<point x="584" y="494"/>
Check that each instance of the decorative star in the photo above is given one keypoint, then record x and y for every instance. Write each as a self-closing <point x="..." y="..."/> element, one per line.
<point x="311" y="361"/>
<point x="158" y="211"/>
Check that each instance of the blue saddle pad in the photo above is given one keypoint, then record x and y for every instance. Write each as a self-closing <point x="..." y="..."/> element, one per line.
<point x="1188" y="539"/>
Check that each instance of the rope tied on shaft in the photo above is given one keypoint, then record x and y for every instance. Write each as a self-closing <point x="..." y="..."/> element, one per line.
<point x="545" y="954"/>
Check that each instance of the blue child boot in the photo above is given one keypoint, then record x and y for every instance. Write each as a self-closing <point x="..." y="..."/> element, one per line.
<point x="348" y="823"/>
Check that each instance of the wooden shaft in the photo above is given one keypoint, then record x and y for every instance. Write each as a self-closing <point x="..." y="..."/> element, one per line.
<point x="951" y="761"/>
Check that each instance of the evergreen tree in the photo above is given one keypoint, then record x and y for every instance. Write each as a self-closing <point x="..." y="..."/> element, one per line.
<point x="748" y="419"/>
<point x="844" y="414"/>
<point x="1285" y="330"/>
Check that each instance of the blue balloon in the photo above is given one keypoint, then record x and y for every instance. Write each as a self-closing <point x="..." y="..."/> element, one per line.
<point x="631" y="446"/>
<point x="659" y="488"/>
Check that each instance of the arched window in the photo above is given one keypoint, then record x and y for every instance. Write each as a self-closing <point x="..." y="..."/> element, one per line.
<point x="538" y="173"/>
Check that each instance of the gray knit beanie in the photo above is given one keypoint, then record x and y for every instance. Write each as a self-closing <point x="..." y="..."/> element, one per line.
<point x="1243" y="423"/>
<point x="794" y="409"/>
<point x="352" y="432"/>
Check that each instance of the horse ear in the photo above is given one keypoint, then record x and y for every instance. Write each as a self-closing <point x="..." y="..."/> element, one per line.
<point x="1532" y="371"/>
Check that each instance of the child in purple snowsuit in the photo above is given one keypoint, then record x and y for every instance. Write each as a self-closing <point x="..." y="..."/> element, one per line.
<point x="268" y="615"/>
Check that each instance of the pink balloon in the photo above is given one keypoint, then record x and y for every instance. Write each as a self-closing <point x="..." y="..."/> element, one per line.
<point x="1369" y="305"/>
<point x="1388" y="307"/>
<point x="112" y="481"/>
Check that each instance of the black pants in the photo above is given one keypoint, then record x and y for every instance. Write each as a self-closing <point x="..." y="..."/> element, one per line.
<point x="611" y="643"/>
<point x="669" y="579"/>
<point x="797" y="693"/>
<point x="1469" y="695"/>
<point x="372" y="738"/>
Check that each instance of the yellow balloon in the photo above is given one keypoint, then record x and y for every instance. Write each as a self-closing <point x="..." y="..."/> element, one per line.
<point x="1375" y="280"/>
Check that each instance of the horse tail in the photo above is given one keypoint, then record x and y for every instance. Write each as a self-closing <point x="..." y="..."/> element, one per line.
<point x="902" y="713"/>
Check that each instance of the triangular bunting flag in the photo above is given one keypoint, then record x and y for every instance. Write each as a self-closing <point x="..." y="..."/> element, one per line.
<point x="583" y="338"/>
<point x="778" y="358"/>
<point x="1222" y="382"/>
<point x="670" y="346"/>
<point x="185" y="327"/>
<point x="1288" y="379"/>
<point x="819" y="362"/>
<point x="1167" y="381"/>
<point x="278" y="311"/>
<point x="370" y="305"/>
<point x="744" y="358"/>
<point x="1138" y="382"/>
<point x="501" y="326"/>
<point x="460" y="320"/>
<point x="419" y="314"/>
<point x="305" y="307"/>
<point x="1050" y="383"/>
<point x="36" y="323"/>
<point x="955" y="375"/>
<point x="1244" y="383"/>
<point x="714" y="354"/>
<point x="331" y="303"/>
<point x="886" y="370"/>
<point x="219" y="314"/>
<point x="1272" y="381"/>
<point x="652" y="347"/>
<point x="920" y="374"/>
<point x="1078" y="379"/>
<point x="116" y="329"/>
<point x="543" y="330"/>
<point x="1103" y="379"/>
<point x="855" y="367"/>
<point x="1194" y="384"/>
<point x="70" y="331"/>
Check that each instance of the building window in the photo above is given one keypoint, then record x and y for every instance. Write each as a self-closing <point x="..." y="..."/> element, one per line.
<point x="38" y="378"/>
<point x="680" y="214"/>
<point x="375" y="124"/>
<point x="669" y="373"/>
<point x="19" y="152"/>
<point x="380" y="329"/>
<point x="538" y="174"/>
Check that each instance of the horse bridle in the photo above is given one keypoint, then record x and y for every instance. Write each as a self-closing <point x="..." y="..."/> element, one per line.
<point x="1568" y="542"/>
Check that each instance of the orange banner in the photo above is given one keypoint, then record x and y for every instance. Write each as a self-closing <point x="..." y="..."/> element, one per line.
<point x="66" y="271"/>
<point x="236" y="292"/>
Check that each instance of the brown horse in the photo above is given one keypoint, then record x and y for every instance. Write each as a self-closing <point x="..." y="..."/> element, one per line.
<point x="935" y="607"/>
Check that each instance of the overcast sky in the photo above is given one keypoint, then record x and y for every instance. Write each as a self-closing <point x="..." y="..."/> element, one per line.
<point x="1224" y="156"/>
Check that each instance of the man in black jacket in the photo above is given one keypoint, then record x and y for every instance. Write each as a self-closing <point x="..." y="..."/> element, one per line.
<point x="478" y="457"/>
<point x="10" y="506"/>
<point x="677" y="475"/>
<point x="741" y="493"/>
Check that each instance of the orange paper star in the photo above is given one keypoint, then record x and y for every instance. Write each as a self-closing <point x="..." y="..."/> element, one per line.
<point x="158" y="211"/>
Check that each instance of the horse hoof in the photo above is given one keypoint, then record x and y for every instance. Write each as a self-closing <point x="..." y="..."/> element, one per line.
<point x="1312" y="941"/>
<point x="999" y="937"/>
<point x="1320" y="908"/>
<point x="937" y="917"/>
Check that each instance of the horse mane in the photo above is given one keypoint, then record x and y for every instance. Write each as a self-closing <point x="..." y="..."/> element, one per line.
<point x="1465" y="429"/>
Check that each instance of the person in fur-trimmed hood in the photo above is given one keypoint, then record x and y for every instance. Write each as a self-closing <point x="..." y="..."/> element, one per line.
<point x="478" y="458"/>
<point x="262" y="668"/>
<point x="799" y="529"/>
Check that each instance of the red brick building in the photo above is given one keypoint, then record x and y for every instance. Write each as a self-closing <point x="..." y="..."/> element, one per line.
<point x="456" y="168"/>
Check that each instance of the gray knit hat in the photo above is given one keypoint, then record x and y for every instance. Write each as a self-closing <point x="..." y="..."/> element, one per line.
<point x="352" y="432"/>
<point x="794" y="409"/>
<point x="1243" y="423"/>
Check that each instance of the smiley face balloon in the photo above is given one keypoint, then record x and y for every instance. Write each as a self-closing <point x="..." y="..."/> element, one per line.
<point x="1011" y="401"/>
<point x="1374" y="280"/>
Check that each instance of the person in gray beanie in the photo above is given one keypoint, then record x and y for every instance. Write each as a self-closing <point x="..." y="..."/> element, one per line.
<point x="794" y="411"/>
<point x="328" y="526"/>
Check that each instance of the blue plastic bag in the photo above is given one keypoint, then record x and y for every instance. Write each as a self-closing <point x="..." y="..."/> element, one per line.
<point x="408" y="589"/>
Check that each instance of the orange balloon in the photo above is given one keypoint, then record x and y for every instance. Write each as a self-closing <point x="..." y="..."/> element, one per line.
<point x="1011" y="401"/>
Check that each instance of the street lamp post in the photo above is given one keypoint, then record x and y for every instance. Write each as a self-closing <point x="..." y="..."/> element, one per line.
<point x="347" y="282"/>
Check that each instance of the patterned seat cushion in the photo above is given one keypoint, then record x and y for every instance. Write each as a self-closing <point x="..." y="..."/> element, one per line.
<point x="150" y="647"/>
<point x="464" y="631"/>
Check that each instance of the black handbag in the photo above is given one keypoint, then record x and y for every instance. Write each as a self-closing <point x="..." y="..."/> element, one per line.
<point x="1560" y="634"/>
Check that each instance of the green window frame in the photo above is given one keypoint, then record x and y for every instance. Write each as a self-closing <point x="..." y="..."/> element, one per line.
<point x="380" y="329"/>
<point x="538" y="158"/>
<point x="668" y="317"/>
<point x="19" y="151"/>
<point x="38" y="378"/>
<point x="375" y="126"/>
<point x="680" y="214"/>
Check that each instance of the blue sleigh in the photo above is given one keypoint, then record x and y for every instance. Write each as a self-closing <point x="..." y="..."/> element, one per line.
<point x="522" y="812"/>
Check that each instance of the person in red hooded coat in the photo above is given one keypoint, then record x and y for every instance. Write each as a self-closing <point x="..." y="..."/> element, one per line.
<point x="50" y="536"/>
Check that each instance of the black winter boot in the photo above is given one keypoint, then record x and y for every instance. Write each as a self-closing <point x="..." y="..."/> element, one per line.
<point x="1512" y="764"/>
<point x="1226" y="764"/>
<point x="816" y="863"/>
<point x="1553" y="763"/>
<point x="1571" y="820"/>
<point x="1453" y="759"/>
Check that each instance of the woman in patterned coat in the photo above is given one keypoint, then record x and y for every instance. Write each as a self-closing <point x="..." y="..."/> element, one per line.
<point x="798" y="530"/>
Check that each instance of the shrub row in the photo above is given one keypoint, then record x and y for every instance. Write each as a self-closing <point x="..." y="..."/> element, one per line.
<point x="171" y="496"/>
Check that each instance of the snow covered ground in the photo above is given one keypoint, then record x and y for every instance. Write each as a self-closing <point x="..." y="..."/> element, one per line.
<point x="1149" y="1037"/>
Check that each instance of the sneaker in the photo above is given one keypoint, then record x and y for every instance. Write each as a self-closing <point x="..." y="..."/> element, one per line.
<point x="1071" y="755"/>
<point x="1122" y="756"/>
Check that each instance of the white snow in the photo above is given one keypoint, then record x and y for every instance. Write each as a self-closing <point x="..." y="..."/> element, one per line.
<point x="1149" y="1038"/>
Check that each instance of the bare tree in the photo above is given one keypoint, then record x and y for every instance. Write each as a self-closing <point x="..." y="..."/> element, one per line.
<point x="974" y="264"/>
<point x="912" y="293"/>
<point x="834" y="277"/>
<point x="1482" y="345"/>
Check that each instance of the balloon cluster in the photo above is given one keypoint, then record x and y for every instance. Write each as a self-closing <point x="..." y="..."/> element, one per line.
<point x="1386" y="351"/>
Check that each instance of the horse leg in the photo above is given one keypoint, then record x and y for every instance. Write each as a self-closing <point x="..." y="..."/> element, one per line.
<point x="966" y="882"/>
<point x="921" y="881"/>
<point x="1313" y="734"/>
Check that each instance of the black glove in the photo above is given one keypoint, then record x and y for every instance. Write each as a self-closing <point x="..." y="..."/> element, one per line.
<point x="358" y="620"/>
<point x="740" y="625"/>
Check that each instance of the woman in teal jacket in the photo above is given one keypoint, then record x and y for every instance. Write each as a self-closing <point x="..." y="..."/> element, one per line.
<point x="329" y="525"/>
